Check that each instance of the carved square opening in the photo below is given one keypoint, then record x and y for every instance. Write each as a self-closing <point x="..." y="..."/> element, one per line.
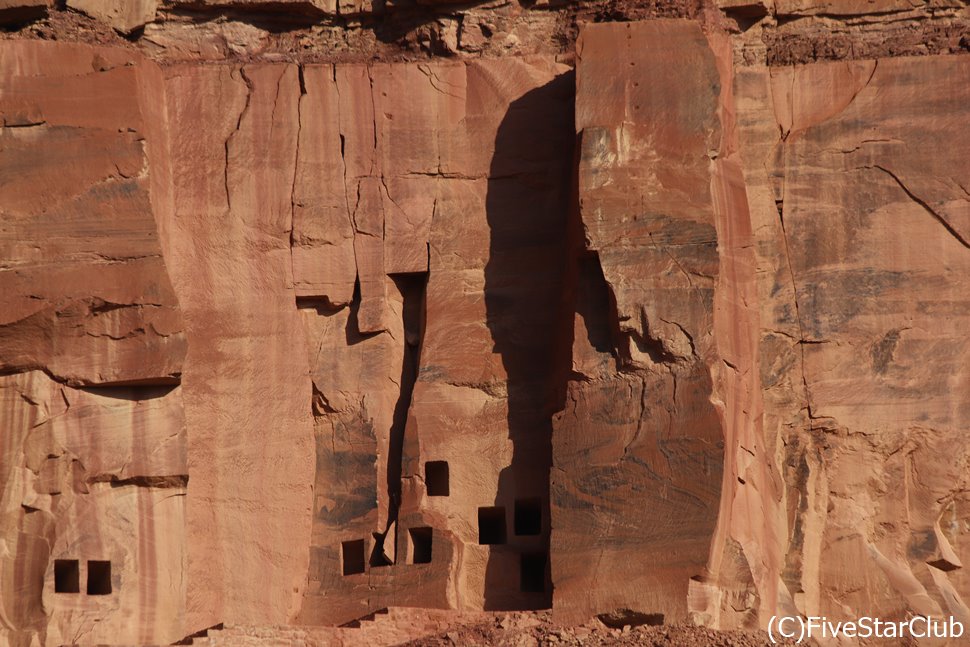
<point x="99" y="577"/>
<point x="491" y="525"/>
<point x="353" y="556"/>
<point x="532" y="572"/>
<point x="436" y="478"/>
<point x="420" y="545"/>
<point x="67" y="576"/>
<point x="528" y="516"/>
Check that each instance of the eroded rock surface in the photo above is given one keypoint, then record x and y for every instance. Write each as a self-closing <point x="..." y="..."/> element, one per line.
<point x="643" y="344"/>
<point x="643" y="327"/>
<point x="859" y="203"/>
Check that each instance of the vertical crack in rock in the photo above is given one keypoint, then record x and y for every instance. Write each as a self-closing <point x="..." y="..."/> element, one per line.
<point x="296" y="153"/>
<point x="798" y="319"/>
<point x="373" y="109"/>
<point x="640" y="418"/>
<point x="343" y="146"/>
<point x="232" y="135"/>
<point x="413" y="289"/>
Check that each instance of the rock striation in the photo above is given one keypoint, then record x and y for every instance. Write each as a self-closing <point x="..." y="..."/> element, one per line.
<point x="644" y="324"/>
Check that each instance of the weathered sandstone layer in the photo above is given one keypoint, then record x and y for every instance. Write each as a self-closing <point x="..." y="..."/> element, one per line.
<point x="312" y="309"/>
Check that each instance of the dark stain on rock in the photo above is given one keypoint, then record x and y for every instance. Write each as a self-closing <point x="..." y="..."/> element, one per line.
<point x="883" y="350"/>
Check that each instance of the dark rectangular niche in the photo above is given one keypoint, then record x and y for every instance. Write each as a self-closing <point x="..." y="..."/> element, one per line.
<point x="532" y="572"/>
<point x="420" y="545"/>
<point x="99" y="577"/>
<point x="528" y="516"/>
<point x="353" y="556"/>
<point x="67" y="576"/>
<point x="436" y="478"/>
<point x="491" y="525"/>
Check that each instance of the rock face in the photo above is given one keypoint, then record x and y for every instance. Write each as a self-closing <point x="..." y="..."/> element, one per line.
<point x="858" y="195"/>
<point x="123" y="15"/>
<point x="639" y="431"/>
<point x="94" y="466"/>
<point x="654" y="330"/>
<point x="435" y="207"/>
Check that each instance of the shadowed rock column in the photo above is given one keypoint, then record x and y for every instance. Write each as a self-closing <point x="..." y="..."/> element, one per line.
<point x="638" y="451"/>
<point x="528" y="208"/>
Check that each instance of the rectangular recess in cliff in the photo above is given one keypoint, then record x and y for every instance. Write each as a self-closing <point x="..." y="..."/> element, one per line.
<point x="528" y="516"/>
<point x="491" y="525"/>
<point x="67" y="576"/>
<point x="532" y="572"/>
<point x="353" y="556"/>
<point x="99" y="577"/>
<point x="436" y="478"/>
<point x="421" y="539"/>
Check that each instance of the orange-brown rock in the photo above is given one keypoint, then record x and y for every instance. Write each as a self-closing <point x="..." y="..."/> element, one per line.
<point x="435" y="238"/>
<point x="16" y="11"/>
<point x="859" y="203"/>
<point x="639" y="429"/>
<point x="86" y="293"/>
<point x="93" y="472"/>
<point x="124" y="15"/>
<point x="657" y="334"/>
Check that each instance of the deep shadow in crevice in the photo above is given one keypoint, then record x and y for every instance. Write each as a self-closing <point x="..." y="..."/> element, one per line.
<point x="133" y="391"/>
<point x="352" y="332"/>
<point x="412" y="288"/>
<point x="273" y="16"/>
<point x="596" y="305"/>
<point x="529" y="290"/>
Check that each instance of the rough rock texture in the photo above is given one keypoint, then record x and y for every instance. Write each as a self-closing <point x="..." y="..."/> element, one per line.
<point x="859" y="202"/>
<point x="86" y="294"/>
<point x="664" y="336"/>
<point x="440" y="228"/>
<point x="639" y="429"/>
<point x="225" y="145"/>
<point x="123" y="15"/>
<point x="312" y="309"/>
<point x="94" y="447"/>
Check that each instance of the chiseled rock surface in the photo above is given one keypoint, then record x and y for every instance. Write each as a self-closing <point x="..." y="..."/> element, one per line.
<point x="94" y="460"/>
<point x="442" y="351"/>
<point x="225" y="141"/>
<point x="92" y="474"/>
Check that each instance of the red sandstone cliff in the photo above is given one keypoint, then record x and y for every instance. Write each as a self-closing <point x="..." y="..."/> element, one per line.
<point x="311" y="309"/>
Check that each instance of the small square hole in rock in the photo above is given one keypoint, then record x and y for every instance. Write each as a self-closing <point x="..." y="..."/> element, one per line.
<point x="528" y="516"/>
<point x="99" y="577"/>
<point x="533" y="572"/>
<point x="436" y="478"/>
<point x="491" y="525"/>
<point x="420" y="545"/>
<point x="353" y="556"/>
<point x="67" y="576"/>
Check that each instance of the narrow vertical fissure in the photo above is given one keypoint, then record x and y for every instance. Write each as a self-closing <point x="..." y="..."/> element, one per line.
<point x="412" y="288"/>
<point x="780" y="205"/>
<point x="239" y="120"/>
<point x="296" y="153"/>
